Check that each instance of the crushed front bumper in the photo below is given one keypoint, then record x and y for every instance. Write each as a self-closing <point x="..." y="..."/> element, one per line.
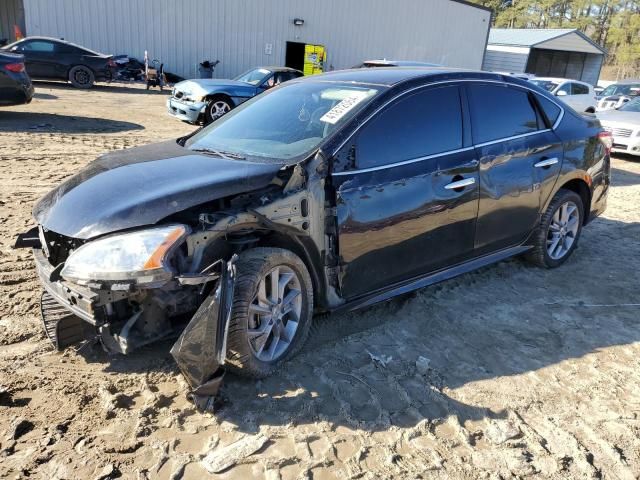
<point x="188" y="112"/>
<point x="76" y="299"/>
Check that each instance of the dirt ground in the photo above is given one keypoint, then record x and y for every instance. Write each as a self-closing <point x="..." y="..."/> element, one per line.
<point x="525" y="372"/>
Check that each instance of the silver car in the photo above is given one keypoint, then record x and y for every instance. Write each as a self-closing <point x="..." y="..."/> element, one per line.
<point x="624" y="125"/>
<point x="617" y="94"/>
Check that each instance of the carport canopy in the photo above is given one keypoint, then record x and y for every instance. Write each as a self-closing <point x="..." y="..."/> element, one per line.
<point x="566" y="53"/>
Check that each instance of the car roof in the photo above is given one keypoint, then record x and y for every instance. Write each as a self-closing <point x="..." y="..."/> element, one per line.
<point x="278" y="69"/>
<point x="56" y="40"/>
<point x="389" y="76"/>
<point x="400" y="63"/>
<point x="626" y="82"/>
<point x="560" y="80"/>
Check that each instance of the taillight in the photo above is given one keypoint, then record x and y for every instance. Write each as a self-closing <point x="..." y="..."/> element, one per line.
<point x="607" y="140"/>
<point x="15" y="67"/>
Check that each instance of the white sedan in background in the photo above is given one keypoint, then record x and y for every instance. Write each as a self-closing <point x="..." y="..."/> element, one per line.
<point x="578" y="95"/>
<point x="624" y="125"/>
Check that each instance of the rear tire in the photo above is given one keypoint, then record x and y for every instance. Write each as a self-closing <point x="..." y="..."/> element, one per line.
<point x="559" y="230"/>
<point x="261" y="335"/>
<point x="81" y="77"/>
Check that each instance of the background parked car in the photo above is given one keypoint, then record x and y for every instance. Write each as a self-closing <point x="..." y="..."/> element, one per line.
<point x="624" y="125"/>
<point x="617" y="94"/>
<point x="15" y="84"/>
<point x="205" y="99"/>
<point x="578" y="95"/>
<point x="53" y="59"/>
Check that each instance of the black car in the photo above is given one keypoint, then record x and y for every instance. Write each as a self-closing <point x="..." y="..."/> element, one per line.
<point x="330" y="192"/>
<point x="15" y="84"/>
<point x="52" y="59"/>
<point x="394" y="63"/>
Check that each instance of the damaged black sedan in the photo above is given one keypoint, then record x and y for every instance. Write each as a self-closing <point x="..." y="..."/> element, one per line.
<point x="331" y="192"/>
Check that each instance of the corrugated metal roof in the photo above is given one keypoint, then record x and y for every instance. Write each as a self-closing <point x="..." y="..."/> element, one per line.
<point x="530" y="37"/>
<point x="525" y="37"/>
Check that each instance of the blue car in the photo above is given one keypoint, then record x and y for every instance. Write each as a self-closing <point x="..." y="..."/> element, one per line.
<point x="204" y="100"/>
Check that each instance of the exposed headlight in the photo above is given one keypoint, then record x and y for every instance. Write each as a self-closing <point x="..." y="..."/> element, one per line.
<point x="139" y="256"/>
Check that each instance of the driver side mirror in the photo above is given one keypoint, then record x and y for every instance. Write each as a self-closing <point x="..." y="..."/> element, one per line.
<point x="562" y="93"/>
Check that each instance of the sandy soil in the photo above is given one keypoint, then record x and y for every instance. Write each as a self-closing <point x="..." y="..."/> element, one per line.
<point x="525" y="372"/>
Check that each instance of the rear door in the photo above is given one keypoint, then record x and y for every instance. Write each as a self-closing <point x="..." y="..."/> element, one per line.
<point x="520" y="159"/>
<point x="408" y="206"/>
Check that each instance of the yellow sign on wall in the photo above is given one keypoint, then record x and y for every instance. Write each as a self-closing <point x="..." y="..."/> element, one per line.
<point x="314" y="58"/>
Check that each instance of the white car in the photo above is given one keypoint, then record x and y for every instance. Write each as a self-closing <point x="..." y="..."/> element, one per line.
<point x="617" y="94"/>
<point x="624" y="125"/>
<point x="578" y="95"/>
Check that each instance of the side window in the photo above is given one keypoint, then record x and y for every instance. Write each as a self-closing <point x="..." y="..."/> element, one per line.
<point x="500" y="112"/>
<point x="565" y="87"/>
<point x="579" y="89"/>
<point x="39" y="46"/>
<point x="282" y="77"/>
<point x="551" y="110"/>
<point x="416" y="125"/>
<point x="64" y="48"/>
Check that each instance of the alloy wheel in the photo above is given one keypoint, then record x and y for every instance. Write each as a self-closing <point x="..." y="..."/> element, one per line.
<point x="563" y="230"/>
<point x="274" y="314"/>
<point x="219" y="108"/>
<point x="81" y="77"/>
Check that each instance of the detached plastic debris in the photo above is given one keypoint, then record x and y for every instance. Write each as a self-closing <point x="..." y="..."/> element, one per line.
<point x="201" y="348"/>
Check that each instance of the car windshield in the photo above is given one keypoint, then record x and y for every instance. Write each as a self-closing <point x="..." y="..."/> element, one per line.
<point x="255" y="76"/>
<point x="285" y="123"/>
<point x="631" y="106"/>
<point x="548" y="85"/>
<point x="622" y="89"/>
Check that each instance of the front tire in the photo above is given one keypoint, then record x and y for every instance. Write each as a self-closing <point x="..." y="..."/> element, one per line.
<point x="81" y="77"/>
<point x="272" y="311"/>
<point x="216" y="108"/>
<point x="559" y="231"/>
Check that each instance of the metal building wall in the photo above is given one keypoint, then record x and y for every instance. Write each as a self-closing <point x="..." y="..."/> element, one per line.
<point x="11" y="13"/>
<point x="505" y="59"/>
<point x="184" y="32"/>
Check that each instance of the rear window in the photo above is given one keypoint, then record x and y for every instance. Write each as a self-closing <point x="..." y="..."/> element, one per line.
<point x="500" y="112"/>
<point x="550" y="109"/>
<point x="417" y="125"/>
<point x="548" y="85"/>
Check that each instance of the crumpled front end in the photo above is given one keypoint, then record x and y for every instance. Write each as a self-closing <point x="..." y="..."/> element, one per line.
<point x="200" y="350"/>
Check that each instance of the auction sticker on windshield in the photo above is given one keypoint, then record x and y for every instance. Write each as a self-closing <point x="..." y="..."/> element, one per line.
<point x="334" y="115"/>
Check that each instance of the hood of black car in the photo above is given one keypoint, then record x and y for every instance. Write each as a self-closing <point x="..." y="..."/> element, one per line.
<point x="141" y="186"/>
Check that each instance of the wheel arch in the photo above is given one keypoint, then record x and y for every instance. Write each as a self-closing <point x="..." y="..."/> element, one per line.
<point x="307" y="252"/>
<point x="581" y="187"/>
<point x="222" y="95"/>
<point x="71" y="67"/>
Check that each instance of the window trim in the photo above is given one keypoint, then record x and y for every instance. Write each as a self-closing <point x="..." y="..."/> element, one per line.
<point x="463" y="121"/>
<point x="452" y="152"/>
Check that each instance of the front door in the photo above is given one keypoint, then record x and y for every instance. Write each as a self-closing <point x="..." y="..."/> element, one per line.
<point x="409" y="204"/>
<point x="520" y="158"/>
<point x="40" y="58"/>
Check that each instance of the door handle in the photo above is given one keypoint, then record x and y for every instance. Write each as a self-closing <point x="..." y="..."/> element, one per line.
<point x="465" y="182"/>
<point x="546" y="162"/>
